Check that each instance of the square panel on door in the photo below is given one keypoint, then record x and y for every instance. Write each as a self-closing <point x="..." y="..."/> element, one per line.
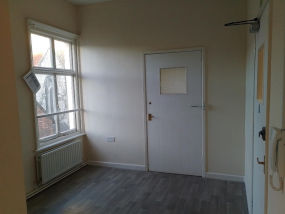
<point x="173" y="80"/>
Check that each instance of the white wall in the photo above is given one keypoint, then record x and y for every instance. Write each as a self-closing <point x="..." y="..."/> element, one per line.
<point x="114" y="36"/>
<point x="57" y="13"/>
<point x="12" y="191"/>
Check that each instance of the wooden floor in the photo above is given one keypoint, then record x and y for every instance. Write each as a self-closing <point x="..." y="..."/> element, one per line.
<point x="94" y="190"/>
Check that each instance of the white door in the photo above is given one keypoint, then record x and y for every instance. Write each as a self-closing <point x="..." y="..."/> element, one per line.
<point x="260" y="101"/>
<point x="174" y="107"/>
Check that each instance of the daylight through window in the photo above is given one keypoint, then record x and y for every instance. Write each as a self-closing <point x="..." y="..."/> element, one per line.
<point x="54" y="64"/>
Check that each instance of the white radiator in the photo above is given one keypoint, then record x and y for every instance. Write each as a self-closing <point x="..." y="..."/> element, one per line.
<point x="57" y="161"/>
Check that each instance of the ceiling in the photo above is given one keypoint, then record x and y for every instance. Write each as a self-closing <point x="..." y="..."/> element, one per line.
<point x="84" y="2"/>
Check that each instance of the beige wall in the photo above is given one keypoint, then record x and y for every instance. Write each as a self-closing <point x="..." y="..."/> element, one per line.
<point x="276" y="200"/>
<point x="12" y="191"/>
<point x="114" y="37"/>
<point x="57" y="13"/>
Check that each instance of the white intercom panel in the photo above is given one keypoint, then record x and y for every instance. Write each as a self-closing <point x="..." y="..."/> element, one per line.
<point x="277" y="158"/>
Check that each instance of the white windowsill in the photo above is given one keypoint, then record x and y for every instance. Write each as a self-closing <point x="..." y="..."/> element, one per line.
<point x="59" y="141"/>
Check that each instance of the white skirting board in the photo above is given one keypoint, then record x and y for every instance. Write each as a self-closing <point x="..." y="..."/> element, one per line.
<point x="220" y="176"/>
<point x="118" y="165"/>
<point x="223" y="176"/>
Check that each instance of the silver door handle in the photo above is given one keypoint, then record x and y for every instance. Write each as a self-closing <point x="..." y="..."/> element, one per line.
<point x="202" y="107"/>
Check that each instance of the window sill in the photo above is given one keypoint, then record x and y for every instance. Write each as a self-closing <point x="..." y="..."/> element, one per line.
<point x="59" y="141"/>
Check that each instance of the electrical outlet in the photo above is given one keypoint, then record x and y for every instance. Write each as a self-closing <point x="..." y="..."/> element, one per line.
<point x="110" y="139"/>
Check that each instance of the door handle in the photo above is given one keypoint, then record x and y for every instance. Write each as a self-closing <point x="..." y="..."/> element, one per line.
<point x="149" y="117"/>
<point x="196" y="106"/>
<point x="261" y="163"/>
<point x="262" y="133"/>
<point x="203" y="107"/>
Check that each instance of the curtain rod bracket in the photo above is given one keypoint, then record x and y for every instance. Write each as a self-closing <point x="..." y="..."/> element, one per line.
<point x="254" y="24"/>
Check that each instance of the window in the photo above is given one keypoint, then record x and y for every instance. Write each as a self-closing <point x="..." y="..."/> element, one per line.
<point x="260" y="74"/>
<point x="54" y="62"/>
<point x="173" y="81"/>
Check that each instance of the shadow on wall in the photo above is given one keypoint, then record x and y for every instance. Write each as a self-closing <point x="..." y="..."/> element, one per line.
<point x="114" y="37"/>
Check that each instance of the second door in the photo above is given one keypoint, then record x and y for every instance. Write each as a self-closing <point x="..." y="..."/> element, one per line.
<point x="174" y="84"/>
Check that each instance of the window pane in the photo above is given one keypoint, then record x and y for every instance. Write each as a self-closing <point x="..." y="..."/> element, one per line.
<point x="67" y="122"/>
<point x="46" y="126"/>
<point x="45" y="97"/>
<point x="260" y="75"/>
<point x="173" y="81"/>
<point x="41" y="49"/>
<point x="65" y="92"/>
<point x="62" y="54"/>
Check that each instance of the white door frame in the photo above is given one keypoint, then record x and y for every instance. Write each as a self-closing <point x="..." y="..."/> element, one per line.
<point x="202" y="49"/>
<point x="259" y="15"/>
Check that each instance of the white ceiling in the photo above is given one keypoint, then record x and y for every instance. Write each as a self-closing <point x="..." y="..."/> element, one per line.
<point x="84" y="2"/>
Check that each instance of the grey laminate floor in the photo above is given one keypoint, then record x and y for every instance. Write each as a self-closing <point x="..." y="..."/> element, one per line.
<point x="94" y="190"/>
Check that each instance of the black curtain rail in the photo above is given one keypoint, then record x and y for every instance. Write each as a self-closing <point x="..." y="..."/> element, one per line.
<point x="254" y="24"/>
<point x="245" y="22"/>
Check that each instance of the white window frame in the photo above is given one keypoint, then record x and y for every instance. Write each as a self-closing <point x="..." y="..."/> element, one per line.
<point x="60" y="35"/>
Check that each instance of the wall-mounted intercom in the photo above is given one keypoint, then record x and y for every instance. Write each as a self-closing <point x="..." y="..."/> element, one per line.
<point x="277" y="158"/>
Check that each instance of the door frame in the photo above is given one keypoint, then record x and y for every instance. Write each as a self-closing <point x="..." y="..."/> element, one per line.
<point x="204" y="111"/>
<point x="268" y="91"/>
